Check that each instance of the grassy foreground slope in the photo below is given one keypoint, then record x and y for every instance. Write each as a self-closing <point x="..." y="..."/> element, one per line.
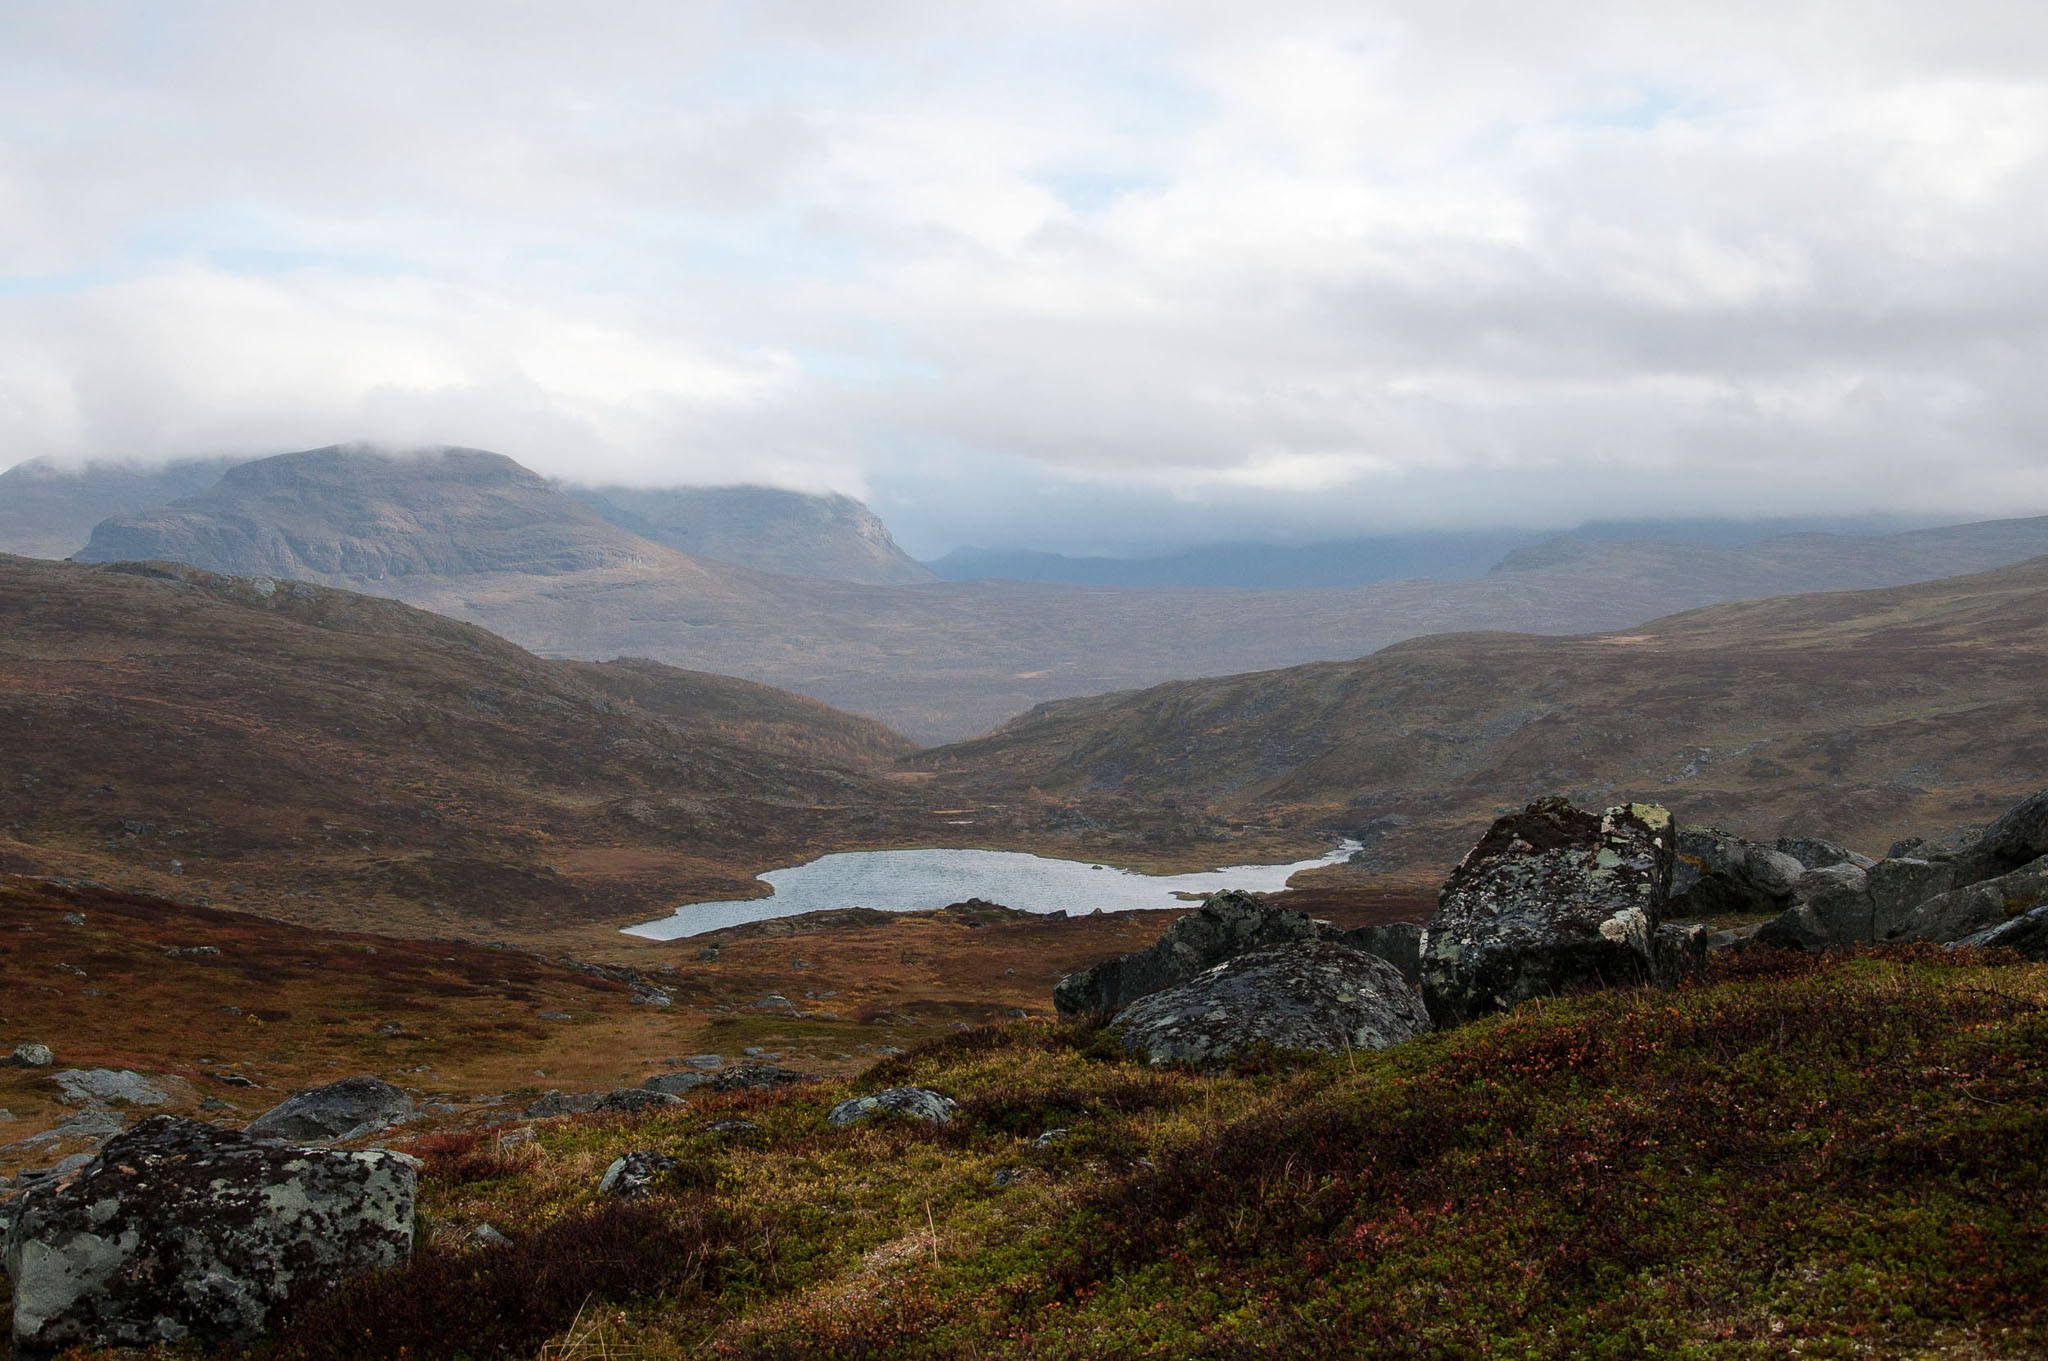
<point x="1819" y="1157"/>
<point x="1858" y="715"/>
<point x="349" y="761"/>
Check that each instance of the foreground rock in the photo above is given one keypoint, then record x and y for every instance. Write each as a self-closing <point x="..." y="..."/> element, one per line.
<point x="1317" y="995"/>
<point x="1978" y="907"/>
<point x="917" y="1103"/>
<point x="1228" y="925"/>
<point x="182" y="1232"/>
<point x="348" y="1109"/>
<point x="2026" y="933"/>
<point x="1551" y="898"/>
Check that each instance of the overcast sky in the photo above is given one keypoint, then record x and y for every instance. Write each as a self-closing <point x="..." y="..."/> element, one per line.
<point x="1084" y="276"/>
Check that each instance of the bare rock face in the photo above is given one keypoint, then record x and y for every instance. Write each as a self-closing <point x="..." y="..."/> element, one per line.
<point x="1551" y="898"/>
<point x="1230" y="924"/>
<point x="179" y="1231"/>
<point x="1317" y="995"/>
<point x="340" y="1110"/>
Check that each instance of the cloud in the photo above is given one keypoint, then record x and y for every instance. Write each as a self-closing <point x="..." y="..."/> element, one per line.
<point x="1322" y="267"/>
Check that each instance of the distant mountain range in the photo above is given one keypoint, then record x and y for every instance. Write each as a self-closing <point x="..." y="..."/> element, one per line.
<point x="476" y="537"/>
<point x="764" y="528"/>
<point x="48" y="509"/>
<point x="1446" y="555"/>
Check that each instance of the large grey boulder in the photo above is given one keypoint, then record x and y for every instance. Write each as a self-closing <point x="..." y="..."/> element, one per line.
<point x="1398" y="943"/>
<point x="2017" y="838"/>
<point x="1316" y="995"/>
<point x="179" y="1231"/>
<point x="95" y="1085"/>
<point x="2026" y="933"/>
<point x="675" y="1084"/>
<point x="1833" y="912"/>
<point x="1231" y="923"/>
<point x="918" y="1103"/>
<point x="1977" y="907"/>
<point x="1899" y="885"/>
<point x="1717" y="873"/>
<point x="1551" y="898"/>
<point x="1814" y="853"/>
<point x="347" y="1109"/>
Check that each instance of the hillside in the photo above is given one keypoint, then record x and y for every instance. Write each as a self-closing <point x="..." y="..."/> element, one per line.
<point x="48" y="509"/>
<point x="1860" y="716"/>
<point x="475" y="537"/>
<point x="764" y="528"/>
<point x="350" y="761"/>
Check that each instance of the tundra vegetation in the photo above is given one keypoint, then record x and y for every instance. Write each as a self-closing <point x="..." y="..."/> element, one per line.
<point x="1820" y="1155"/>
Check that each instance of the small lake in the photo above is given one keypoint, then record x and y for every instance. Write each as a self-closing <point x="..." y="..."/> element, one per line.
<point x="918" y="881"/>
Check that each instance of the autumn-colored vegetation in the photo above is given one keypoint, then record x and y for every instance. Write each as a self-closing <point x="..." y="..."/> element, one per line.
<point x="1823" y="1157"/>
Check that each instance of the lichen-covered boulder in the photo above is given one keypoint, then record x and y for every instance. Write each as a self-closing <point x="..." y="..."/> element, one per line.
<point x="919" y="1103"/>
<point x="1229" y="924"/>
<point x="757" y="1077"/>
<point x="180" y="1231"/>
<point x="1977" y="907"/>
<point x="29" y="1054"/>
<point x="1318" y="995"/>
<point x="347" y="1109"/>
<point x="1551" y="898"/>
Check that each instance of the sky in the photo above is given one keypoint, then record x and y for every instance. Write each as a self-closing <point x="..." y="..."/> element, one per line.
<point x="1090" y="277"/>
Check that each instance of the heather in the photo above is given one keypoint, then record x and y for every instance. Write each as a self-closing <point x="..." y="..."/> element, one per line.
<point x="1822" y="1156"/>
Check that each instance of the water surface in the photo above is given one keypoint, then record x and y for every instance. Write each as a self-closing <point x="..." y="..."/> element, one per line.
<point x="918" y="881"/>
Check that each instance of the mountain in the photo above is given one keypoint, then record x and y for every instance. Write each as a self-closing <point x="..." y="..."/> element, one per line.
<point x="48" y="509"/>
<point x="349" y="761"/>
<point x="348" y="512"/>
<point x="764" y="528"/>
<point x="475" y="537"/>
<point x="1860" y="716"/>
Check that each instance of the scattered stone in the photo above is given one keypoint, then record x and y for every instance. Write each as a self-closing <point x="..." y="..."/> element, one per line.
<point x="917" y="1103"/>
<point x="555" y="1102"/>
<point x="347" y="1109"/>
<point x="755" y="1077"/>
<point x="1551" y="898"/>
<point x="733" y="1129"/>
<point x="635" y="1176"/>
<point x="74" y="919"/>
<point x="675" y="1084"/>
<point x="81" y="1085"/>
<point x="488" y="1236"/>
<point x="5" y="1114"/>
<point x="1231" y="923"/>
<point x="231" y="1079"/>
<point x="708" y="955"/>
<point x="755" y="1051"/>
<point x="1009" y="1176"/>
<point x="213" y="1103"/>
<point x="708" y="1061"/>
<point x="31" y="1055"/>
<point x="633" y="1101"/>
<point x="179" y="1232"/>
<point x="774" y="1001"/>
<point x="556" y="1016"/>
<point x="193" y="952"/>
<point x="1050" y="1137"/>
<point x="1317" y="995"/>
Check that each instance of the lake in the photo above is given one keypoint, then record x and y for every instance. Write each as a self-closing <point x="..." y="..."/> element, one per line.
<point x="918" y="881"/>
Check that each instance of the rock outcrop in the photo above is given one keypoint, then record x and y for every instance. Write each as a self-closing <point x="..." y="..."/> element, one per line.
<point x="1720" y="874"/>
<point x="1551" y="898"/>
<point x="181" y="1232"/>
<point x="1315" y="995"/>
<point x="917" y="1103"/>
<point x="1977" y="907"/>
<point x="1231" y="923"/>
<point x="348" y="1109"/>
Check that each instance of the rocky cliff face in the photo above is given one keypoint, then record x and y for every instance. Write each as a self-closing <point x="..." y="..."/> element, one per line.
<point x="763" y="528"/>
<point x="352" y="513"/>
